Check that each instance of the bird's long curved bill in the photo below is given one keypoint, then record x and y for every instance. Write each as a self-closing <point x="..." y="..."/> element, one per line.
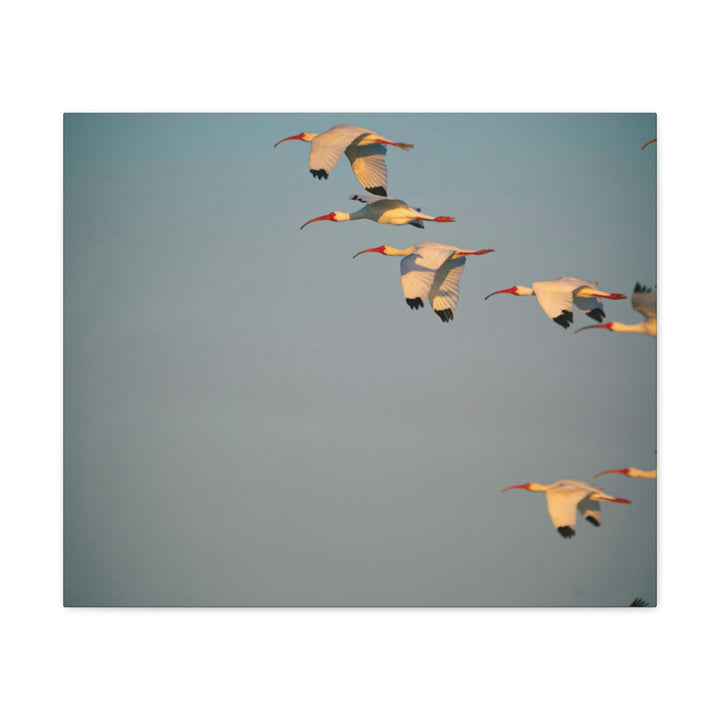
<point x="605" y="472"/>
<point x="591" y="327"/>
<point x="497" y="292"/>
<point x="291" y="137"/>
<point x="375" y="249"/>
<point x="322" y="217"/>
<point x="513" y="487"/>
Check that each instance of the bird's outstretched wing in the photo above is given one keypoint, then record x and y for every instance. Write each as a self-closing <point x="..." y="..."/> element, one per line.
<point x="445" y="289"/>
<point x="591" y="306"/>
<point x="590" y="510"/>
<point x="327" y="147"/>
<point x="556" y="298"/>
<point x="368" y="164"/>
<point x="562" y="502"/>
<point x="644" y="300"/>
<point x="418" y="271"/>
<point x="369" y="198"/>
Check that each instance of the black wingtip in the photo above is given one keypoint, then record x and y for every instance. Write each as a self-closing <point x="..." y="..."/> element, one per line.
<point x="566" y="531"/>
<point x="319" y="174"/>
<point x="592" y="521"/>
<point x="639" y="602"/>
<point x="415" y="303"/>
<point x="596" y="314"/>
<point x="445" y="315"/>
<point x="378" y="191"/>
<point x="564" y="319"/>
<point x="641" y="288"/>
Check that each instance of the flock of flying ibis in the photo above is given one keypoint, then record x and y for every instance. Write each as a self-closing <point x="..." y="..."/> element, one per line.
<point x="431" y="271"/>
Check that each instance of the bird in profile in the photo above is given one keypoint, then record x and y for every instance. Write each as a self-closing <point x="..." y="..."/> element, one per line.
<point x="631" y="472"/>
<point x="430" y="271"/>
<point x="383" y="210"/>
<point x="644" y="301"/>
<point x="556" y="298"/>
<point x="567" y="498"/>
<point x="364" y="149"/>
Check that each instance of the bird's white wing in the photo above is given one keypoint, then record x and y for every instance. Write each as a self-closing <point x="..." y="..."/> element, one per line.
<point x="445" y="290"/>
<point x="562" y="502"/>
<point x="369" y="198"/>
<point x="644" y="300"/>
<point x="368" y="164"/>
<point x="418" y="271"/>
<point x="590" y="510"/>
<point x="590" y="306"/>
<point x="327" y="147"/>
<point x="556" y="298"/>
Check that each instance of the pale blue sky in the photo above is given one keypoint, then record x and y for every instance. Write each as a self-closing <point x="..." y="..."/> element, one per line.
<point x="252" y="417"/>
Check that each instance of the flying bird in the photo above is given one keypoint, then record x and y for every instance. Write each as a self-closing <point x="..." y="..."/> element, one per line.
<point x="631" y="472"/>
<point x="430" y="270"/>
<point x="364" y="149"/>
<point x="644" y="301"/>
<point x="556" y="298"/>
<point x="566" y="498"/>
<point x="383" y="210"/>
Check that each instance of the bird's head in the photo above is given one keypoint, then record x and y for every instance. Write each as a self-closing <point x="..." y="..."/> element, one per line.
<point x="304" y="136"/>
<point x="334" y="216"/>
<point x="514" y="290"/>
<point x="381" y="249"/>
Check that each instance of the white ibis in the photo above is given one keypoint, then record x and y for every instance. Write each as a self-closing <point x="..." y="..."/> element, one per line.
<point x="430" y="270"/>
<point x="556" y="298"/>
<point x="386" y="211"/>
<point x="631" y="472"/>
<point x="566" y="498"/>
<point x="364" y="149"/>
<point x="644" y="301"/>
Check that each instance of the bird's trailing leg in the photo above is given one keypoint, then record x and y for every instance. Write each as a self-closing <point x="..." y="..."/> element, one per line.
<point x="442" y="218"/>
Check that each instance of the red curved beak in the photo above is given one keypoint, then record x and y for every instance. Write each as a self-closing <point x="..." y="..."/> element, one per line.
<point x="497" y="292"/>
<point x="514" y="487"/>
<point x="604" y="326"/>
<point x="621" y="471"/>
<point x="329" y="216"/>
<point x="292" y="137"/>
<point x="380" y="249"/>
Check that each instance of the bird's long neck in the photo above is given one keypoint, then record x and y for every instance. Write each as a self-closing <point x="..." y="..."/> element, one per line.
<point x="397" y="252"/>
<point x="636" y="472"/>
<point x="343" y="216"/>
<point x="642" y="327"/>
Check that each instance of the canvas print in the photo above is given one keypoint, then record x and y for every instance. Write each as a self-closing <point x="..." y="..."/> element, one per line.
<point x="343" y="360"/>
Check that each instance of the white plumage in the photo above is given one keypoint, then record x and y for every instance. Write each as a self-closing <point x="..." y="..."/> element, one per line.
<point x="364" y="149"/>
<point x="567" y="498"/>
<point x="430" y="271"/>
<point x="556" y="298"/>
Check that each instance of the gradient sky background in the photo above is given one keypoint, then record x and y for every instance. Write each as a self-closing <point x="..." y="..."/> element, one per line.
<point x="254" y="418"/>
